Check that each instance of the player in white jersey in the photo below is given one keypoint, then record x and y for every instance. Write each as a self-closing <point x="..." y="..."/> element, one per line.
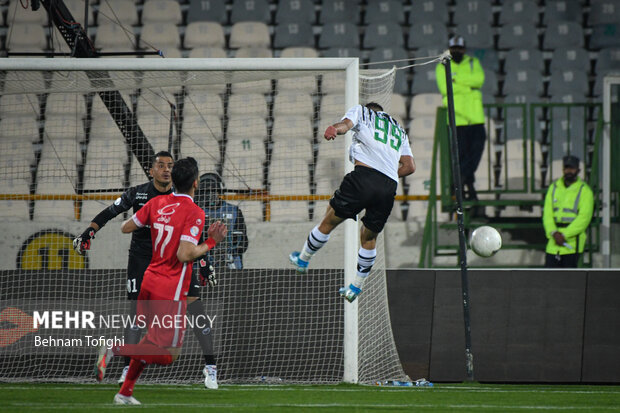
<point x="381" y="154"/>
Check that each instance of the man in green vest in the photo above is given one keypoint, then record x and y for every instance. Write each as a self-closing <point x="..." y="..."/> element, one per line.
<point x="566" y="215"/>
<point x="467" y="79"/>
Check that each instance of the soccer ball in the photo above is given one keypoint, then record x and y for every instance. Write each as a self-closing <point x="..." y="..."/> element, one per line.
<point x="485" y="241"/>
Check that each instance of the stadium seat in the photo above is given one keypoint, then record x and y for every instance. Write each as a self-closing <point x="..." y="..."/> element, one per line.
<point x="249" y="34"/>
<point x="243" y="173"/>
<point x="57" y="175"/>
<point x="390" y="55"/>
<point x="253" y="104"/>
<point x="111" y="35"/>
<point x="17" y="149"/>
<point x="208" y="53"/>
<point x="26" y="105"/>
<point x="340" y="11"/>
<point x="155" y="126"/>
<point x="289" y="176"/>
<point x="154" y="102"/>
<point x="293" y="34"/>
<point x="246" y="11"/>
<point x="608" y="60"/>
<point x="207" y="10"/>
<point x="563" y="35"/>
<point x="293" y="104"/>
<point x="518" y="35"/>
<point x="299" y="150"/>
<point x="328" y="173"/>
<point x="104" y="128"/>
<point x="526" y="97"/>
<point x="65" y="104"/>
<point x="473" y="11"/>
<point x="562" y="10"/>
<point x="605" y="36"/>
<point x="54" y="209"/>
<point x="295" y="11"/>
<point x="203" y="149"/>
<point x="568" y="86"/>
<point x="159" y="36"/>
<point x="339" y="35"/>
<point x="333" y="83"/>
<point x="291" y="128"/>
<point x="383" y="34"/>
<point x="20" y="127"/>
<point x="398" y="108"/>
<point x="519" y="11"/>
<point x="14" y="210"/>
<point x="200" y="103"/>
<point x="424" y="79"/>
<point x="254" y="52"/>
<point x="26" y="37"/>
<point x="427" y="34"/>
<point x="117" y="13"/>
<point x="524" y="59"/>
<point x="604" y="12"/>
<point x="161" y="11"/>
<point x="17" y="14"/>
<point x="428" y="10"/>
<point x="524" y="82"/>
<point x="104" y="174"/>
<point x="385" y="11"/>
<point x="569" y="59"/>
<point x="342" y="52"/>
<point x="490" y="87"/>
<point x="299" y="52"/>
<point x="253" y="127"/>
<point x="477" y="35"/>
<point x="203" y="126"/>
<point x="422" y="127"/>
<point x="64" y="126"/>
<point x="76" y="7"/>
<point x="307" y="84"/>
<point x="251" y="87"/>
<point x="425" y="104"/>
<point x="488" y="58"/>
<point x="204" y="34"/>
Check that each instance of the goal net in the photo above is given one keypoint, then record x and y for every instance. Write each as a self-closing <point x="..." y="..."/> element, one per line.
<point x="75" y="134"/>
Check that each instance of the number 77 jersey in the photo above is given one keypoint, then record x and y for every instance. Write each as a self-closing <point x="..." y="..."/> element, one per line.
<point x="173" y="218"/>
<point x="378" y="140"/>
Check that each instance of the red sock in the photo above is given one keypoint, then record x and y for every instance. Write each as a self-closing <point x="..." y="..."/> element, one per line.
<point x="135" y="369"/>
<point x="144" y="351"/>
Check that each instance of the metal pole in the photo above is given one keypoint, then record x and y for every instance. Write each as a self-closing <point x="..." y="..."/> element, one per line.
<point x="458" y="191"/>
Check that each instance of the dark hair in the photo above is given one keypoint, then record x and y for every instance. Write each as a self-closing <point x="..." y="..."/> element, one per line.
<point x="159" y="155"/>
<point x="374" y="106"/>
<point x="184" y="173"/>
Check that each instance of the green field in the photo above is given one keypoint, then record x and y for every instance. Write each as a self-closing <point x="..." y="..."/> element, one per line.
<point x="54" y="397"/>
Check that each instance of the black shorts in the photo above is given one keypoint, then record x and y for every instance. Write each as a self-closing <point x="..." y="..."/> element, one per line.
<point x="194" y="284"/>
<point x="136" y="266"/>
<point x="369" y="189"/>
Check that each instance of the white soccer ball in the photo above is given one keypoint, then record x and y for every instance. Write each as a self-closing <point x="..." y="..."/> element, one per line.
<point x="485" y="241"/>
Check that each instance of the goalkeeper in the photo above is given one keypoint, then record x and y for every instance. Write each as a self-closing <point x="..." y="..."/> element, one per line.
<point x="381" y="153"/>
<point x="140" y="257"/>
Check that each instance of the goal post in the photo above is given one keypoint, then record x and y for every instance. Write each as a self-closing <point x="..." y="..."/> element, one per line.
<point x="259" y="124"/>
<point x="611" y="92"/>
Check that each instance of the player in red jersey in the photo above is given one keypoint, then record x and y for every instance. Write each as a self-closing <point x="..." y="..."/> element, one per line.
<point x="176" y="225"/>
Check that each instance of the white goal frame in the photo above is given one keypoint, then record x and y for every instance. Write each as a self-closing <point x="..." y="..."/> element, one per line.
<point x="609" y="80"/>
<point x="349" y="65"/>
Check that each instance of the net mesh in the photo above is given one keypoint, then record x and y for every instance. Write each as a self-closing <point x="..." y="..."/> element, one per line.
<point x="73" y="141"/>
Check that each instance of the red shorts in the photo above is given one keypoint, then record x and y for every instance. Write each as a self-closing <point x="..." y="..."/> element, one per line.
<point x="164" y="318"/>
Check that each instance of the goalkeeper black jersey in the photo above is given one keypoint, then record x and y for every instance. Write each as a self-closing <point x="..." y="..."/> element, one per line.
<point x="135" y="197"/>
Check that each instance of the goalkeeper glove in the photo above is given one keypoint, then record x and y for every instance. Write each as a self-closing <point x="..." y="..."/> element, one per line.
<point x="330" y="133"/>
<point x="206" y="272"/>
<point x="82" y="243"/>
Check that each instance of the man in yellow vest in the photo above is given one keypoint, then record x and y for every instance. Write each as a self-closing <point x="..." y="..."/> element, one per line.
<point x="566" y="215"/>
<point x="467" y="79"/>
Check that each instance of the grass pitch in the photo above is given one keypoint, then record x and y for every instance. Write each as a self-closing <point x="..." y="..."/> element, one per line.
<point x="471" y="397"/>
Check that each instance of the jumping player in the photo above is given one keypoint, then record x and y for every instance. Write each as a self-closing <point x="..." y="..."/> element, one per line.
<point x="176" y="224"/>
<point x="140" y="257"/>
<point x="381" y="154"/>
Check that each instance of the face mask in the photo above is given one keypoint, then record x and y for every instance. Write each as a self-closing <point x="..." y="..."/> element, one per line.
<point x="570" y="177"/>
<point x="457" y="56"/>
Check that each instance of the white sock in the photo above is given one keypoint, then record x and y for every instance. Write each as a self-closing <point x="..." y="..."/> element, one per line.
<point x="365" y="261"/>
<point x="316" y="239"/>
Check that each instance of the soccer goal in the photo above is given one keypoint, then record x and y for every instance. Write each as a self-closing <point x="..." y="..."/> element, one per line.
<point x="611" y="94"/>
<point x="75" y="133"/>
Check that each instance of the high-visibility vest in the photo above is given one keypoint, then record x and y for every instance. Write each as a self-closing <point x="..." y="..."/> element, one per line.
<point x="569" y="211"/>
<point x="468" y="78"/>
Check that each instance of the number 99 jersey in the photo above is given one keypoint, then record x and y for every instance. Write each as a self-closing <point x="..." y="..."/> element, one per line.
<point x="378" y="140"/>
